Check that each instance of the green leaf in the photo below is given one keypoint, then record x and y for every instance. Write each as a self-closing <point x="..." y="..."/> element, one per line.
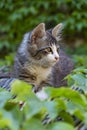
<point x="66" y="117"/>
<point x="21" y="89"/>
<point x="52" y="110"/>
<point x="34" y="124"/>
<point x="79" y="79"/>
<point x="33" y="106"/>
<point x="76" y="110"/>
<point x="85" y="118"/>
<point x="8" y="121"/>
<point x="4" y="97"/>
<point x="60" y="126"/>
<point x="4" y="123"/>
<point x="80" y="114"/>
<point x="54" y="107"/>
<point x="69" y="79"/>
<point x="68" y="93"/>
<point x="80" y="69"/>
<point x="10" y="105"/>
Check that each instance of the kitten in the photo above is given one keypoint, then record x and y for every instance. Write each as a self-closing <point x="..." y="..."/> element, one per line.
<point x="37" y="55"/>
<point x="39" y="61"/>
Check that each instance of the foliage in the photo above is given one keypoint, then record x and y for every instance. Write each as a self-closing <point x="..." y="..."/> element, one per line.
<point x="62" y="102"/>
<point x="18" y="17"/>
<point x="8" y="60"/>
<point x="79" y="56"/>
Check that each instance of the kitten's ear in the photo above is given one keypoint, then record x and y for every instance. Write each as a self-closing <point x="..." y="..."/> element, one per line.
<point x="57" y="31"/>
<point x="38" y="33"/>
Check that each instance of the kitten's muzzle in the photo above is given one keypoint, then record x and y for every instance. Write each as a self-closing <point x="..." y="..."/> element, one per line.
<point x="56" y="58"/>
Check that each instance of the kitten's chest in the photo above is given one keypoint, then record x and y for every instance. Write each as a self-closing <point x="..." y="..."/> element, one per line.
<point x="40" y="74"/>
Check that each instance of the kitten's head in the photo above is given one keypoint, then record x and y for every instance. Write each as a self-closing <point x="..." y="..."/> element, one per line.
<point x="44" y="48"/>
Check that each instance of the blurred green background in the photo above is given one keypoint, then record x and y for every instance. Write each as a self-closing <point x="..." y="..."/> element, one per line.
<point x="18" y="17"/>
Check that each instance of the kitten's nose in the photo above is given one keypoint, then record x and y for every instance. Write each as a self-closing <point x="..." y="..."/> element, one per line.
<point x="56" y="57"/>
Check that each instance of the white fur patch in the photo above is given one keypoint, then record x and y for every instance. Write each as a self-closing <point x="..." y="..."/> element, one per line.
<point x="55" y="53"/>
<point x="52" y="56"/>
<point x="42" y="95"/>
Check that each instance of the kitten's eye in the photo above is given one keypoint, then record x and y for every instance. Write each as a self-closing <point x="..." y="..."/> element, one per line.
<point x="58" y="49"/>
<point x="47" y="50"/>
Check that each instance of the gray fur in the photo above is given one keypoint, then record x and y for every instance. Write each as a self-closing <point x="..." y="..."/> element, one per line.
<point x="24" y="60"/>
<point x="61" y="69"/>
<point x="6" y="83"/>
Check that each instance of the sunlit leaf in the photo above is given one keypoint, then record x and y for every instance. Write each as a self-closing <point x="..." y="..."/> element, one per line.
<point x="4" y="123"/>
<point x="68" y="93"/>
<point x="21" y="89"/>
